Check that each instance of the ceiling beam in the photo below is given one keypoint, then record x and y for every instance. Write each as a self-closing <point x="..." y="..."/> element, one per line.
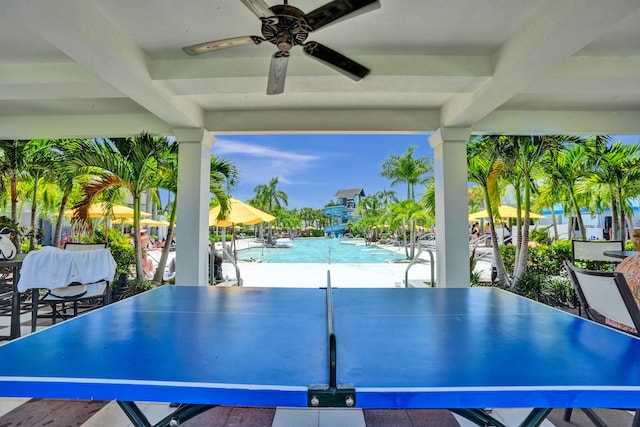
<point x="345" y="120"/>
<point x="81" y="126"/>
<point x="535" y="50"/>
<point x="559" y="123"/>
<point x="210" y="66"/>
<point x="83" y="32"/>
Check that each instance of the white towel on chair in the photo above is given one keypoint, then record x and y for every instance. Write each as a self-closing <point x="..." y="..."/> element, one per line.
<point x="51" y="268"/>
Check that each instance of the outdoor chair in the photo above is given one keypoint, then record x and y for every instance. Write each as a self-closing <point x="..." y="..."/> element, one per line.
<point x="98" y="294"/>
<point x="605" y="295"/>
<point x="74" y="298"/>
<point x="591" y="252"/>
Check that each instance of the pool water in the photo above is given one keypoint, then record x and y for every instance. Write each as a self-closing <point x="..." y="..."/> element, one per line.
<point x="318" y="250"/>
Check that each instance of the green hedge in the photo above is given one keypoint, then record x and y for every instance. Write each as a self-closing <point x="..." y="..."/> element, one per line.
<point x="543" y="259"/>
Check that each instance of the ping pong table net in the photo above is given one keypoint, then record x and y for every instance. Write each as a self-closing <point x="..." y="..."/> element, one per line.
<point x="331" y="394"/>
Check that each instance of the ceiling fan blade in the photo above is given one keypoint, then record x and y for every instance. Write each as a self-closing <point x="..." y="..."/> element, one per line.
<point x="198" y="49"/>
<point x="277" y="72"/>
<point x="337" y="9"/>
<point x="336" y="60"/>
<point x="258" y="7"/>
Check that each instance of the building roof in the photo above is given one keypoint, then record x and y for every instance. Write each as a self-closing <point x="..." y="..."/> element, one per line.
<point x="349" y="192"/>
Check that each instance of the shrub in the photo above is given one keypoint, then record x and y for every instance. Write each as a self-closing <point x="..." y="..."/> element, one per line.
<point x="134" y="287"/>
<point x="530" y="285"/>
<point x="547" y="260"/>
<point x="218" y="238"/>
<point x="558" y="291"/>
<point x="121" y="249"/>
<point x="540" y="235"/>
<point x="474" y="279"/>
<point x="508" y="253"/>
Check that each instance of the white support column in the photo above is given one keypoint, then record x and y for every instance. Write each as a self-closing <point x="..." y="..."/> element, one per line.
<point x="192" y="236"/>
<point x="452" y="233"/>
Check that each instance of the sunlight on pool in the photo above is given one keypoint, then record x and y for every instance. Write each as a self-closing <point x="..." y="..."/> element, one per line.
<point x="321" y="250"/>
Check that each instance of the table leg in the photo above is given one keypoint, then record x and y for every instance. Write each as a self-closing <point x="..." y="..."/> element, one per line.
<point x="482" y="418"/>
<point x="14" y="331"/>
<point x="182" y="414"/>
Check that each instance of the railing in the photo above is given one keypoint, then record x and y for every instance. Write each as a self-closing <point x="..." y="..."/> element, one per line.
<point x="226" y="256"/>
<point x="414" y="260"/>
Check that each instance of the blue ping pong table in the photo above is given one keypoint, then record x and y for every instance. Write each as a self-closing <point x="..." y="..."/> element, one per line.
<point x="459" y="349"/>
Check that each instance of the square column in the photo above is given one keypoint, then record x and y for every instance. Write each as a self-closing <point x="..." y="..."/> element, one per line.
<point x="192" y="229"/>
<point x="451" y="188"/>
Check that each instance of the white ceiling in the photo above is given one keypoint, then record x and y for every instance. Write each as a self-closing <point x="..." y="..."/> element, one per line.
<point x="115" y="67"/>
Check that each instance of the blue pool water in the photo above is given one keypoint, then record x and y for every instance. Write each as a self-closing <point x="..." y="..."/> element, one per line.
<point x="318" y="250"/>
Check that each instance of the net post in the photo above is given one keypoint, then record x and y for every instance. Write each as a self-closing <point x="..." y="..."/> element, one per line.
<point x="332" y="394"/>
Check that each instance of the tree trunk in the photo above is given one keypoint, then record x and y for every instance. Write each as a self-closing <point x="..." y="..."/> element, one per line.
<point x="14" y="211"/>
<point x="623" y="223"/>
<point x="503" y="278"/>
<point x="57" y="232"/>
<point x="159" y="274"/>
<point x="34" y="198"/>
<point x="523" y="245"/>
<point x="576" y="207"/>
<point x="136" y="238"/>
<point x="615" y="218"/>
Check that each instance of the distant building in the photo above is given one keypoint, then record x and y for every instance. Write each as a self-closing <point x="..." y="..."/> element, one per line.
<point x="597" y="226"/>
<point x="342" y="212"/>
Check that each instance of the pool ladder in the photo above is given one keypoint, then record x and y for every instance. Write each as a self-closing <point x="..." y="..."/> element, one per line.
<point x="413" y="261"/>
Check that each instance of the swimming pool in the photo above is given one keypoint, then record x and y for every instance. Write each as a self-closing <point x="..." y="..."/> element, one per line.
<point x="318" y="250"/>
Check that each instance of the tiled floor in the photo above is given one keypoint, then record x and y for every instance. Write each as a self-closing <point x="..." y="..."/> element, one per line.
<point x="54" y="413"/>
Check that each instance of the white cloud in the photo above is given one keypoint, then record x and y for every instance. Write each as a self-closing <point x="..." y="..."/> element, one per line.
<point x="236" y="147"/>
<point x="260" y="163"/>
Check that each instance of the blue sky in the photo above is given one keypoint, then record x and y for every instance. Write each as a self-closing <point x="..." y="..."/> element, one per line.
<point x="311" y="168"/>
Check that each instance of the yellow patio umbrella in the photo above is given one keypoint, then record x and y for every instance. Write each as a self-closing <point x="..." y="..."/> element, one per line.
<point x="239" y="213"/>
<point x="504" y="211"/>
<point x="102" y="210"/>
<point x="149" y="222"/>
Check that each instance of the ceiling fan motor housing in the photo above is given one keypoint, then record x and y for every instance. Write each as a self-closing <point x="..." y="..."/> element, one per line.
<point x="286" y="28"/>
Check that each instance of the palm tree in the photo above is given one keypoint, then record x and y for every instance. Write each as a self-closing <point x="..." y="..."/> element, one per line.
<point x="429" y="197"/>
<point x="287" y="221"/>
<point x="269" y="197"/>
<point x="406" y="169"/>
<point x="406" y="215"/>
<point x="13" y="160"/>
<point x="527" y="153"/>
<point x="223" y="179"/>
<point x="39" y="161"/>
<point x="484" y="165"/>
<point x="167" y="178"/>
<point x="370" y="205"/>
<point x="308" y="216"/>
<point x="618" y="171"/>
<point x="65" y="179"/>
<point x="130" y="163"/>
<point x="387" y="197"/>
<point x="551" y="193"/>
<point x="567" y="169"/>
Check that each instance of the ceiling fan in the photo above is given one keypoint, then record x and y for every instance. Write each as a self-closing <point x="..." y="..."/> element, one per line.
<point x="287" y="26"/>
